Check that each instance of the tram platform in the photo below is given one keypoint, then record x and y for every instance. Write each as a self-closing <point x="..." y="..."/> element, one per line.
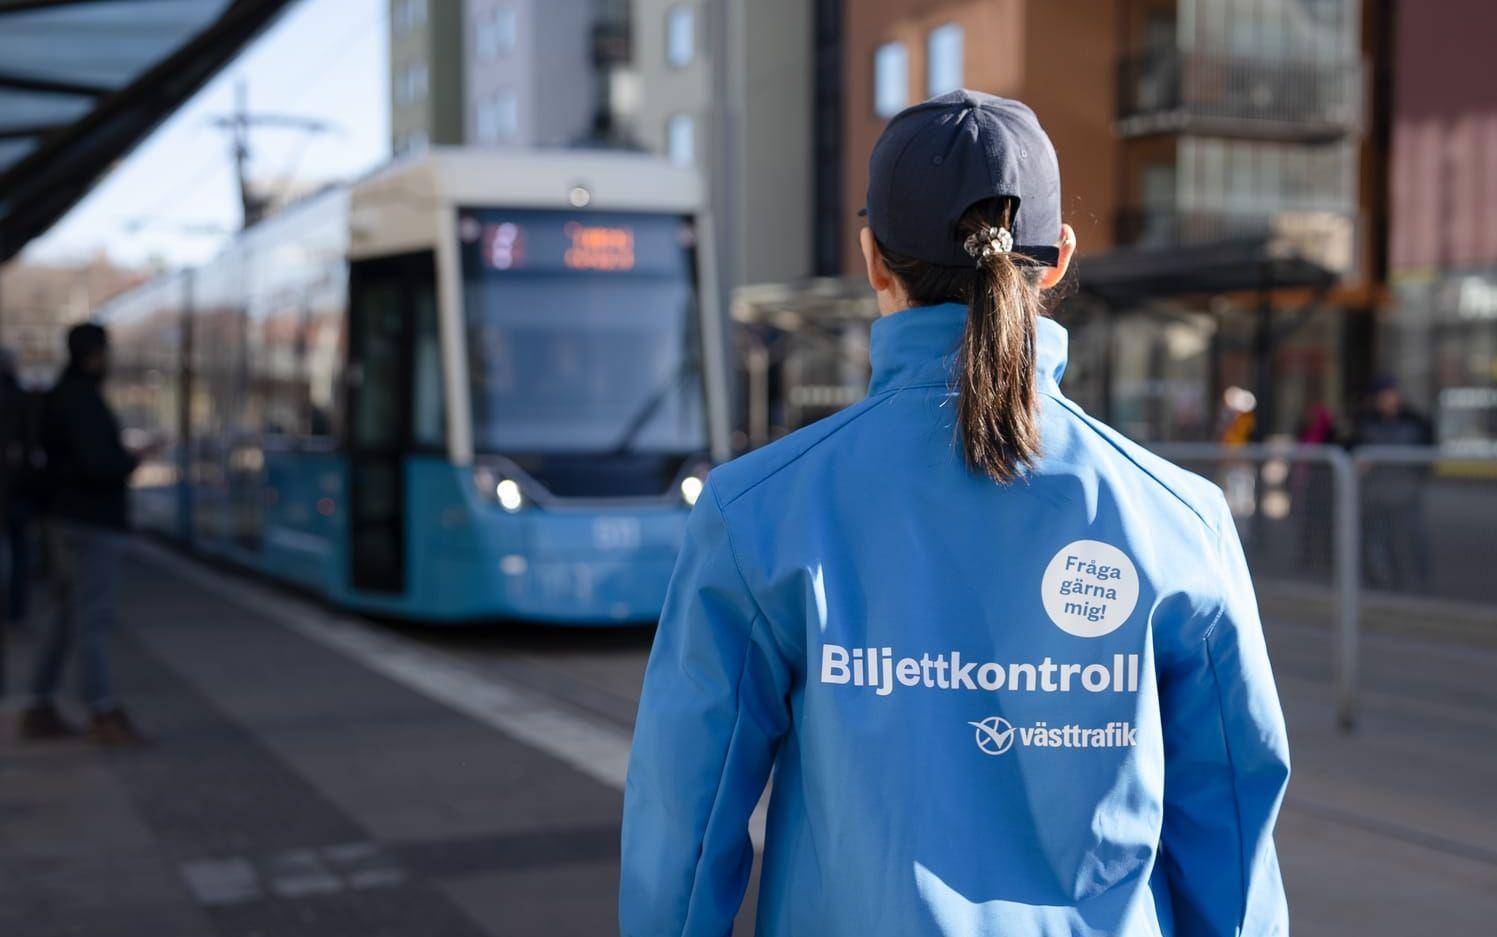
<point x="313" y="774"/>
<point x="289" y="791"/>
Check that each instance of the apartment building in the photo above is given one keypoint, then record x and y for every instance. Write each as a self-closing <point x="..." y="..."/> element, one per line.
<point x="503" y="72"/>
<point x="1214" y="159"/>
<point x="426" y="73"/>
<point x="726" y="86"/>
<point x="1438" y="334"/>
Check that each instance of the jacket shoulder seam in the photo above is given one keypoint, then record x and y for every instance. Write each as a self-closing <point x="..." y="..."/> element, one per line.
<point x="1212" y="529"/>
<point x="1084" y="421"/>
<point x="748" y="590"/>
<point x="873" y="404"/>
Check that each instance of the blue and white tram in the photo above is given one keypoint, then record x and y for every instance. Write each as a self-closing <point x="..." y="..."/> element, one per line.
<point x="476" y="385"/>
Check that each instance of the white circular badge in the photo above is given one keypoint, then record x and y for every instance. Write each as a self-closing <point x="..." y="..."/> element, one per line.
<point x="1090" y="588"/>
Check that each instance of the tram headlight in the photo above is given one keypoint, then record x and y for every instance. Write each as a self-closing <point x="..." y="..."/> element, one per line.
<point x="692" y="485"/>
<point x="509" y="495"/>
<point x="495" y="487"/>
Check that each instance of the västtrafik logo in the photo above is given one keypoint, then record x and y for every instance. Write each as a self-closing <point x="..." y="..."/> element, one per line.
<point x="996" y="735"/>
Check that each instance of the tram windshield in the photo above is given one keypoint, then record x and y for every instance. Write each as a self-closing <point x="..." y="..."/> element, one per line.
<point x="582" y="332"/>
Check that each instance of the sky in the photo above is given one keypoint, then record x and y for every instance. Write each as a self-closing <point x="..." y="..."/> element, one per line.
<point x="172" y="201"/>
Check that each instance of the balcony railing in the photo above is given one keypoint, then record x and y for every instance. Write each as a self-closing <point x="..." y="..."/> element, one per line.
<point x="1170" y="91"/>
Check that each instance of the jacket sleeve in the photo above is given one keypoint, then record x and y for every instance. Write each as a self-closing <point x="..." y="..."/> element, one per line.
<point x="91" y="436"/>
<point x="714" y="707"/>
<point x="1226" y="764"/>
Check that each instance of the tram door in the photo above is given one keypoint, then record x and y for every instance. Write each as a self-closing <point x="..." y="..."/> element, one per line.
<point x="387" y="298"/>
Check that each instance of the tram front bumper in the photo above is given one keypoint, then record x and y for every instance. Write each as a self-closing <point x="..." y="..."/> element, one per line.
<point x="565" y="568"/>
<point x="584" y="591"/>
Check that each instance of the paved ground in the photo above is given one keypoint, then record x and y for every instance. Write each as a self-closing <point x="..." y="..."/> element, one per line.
<point x="320" y="775"/>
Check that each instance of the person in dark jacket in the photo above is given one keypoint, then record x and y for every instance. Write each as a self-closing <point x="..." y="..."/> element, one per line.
<point x="88" y="468"/>
<point x="1396" y="547"/>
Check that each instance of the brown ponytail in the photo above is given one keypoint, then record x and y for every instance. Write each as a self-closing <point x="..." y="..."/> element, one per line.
<point x="996" y="397"/>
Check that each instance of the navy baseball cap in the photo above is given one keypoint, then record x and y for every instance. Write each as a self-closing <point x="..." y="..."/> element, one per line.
<point x="937" y="159"/>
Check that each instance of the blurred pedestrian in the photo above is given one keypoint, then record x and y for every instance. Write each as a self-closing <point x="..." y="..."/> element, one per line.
<point x="87" y="470"/>
<point x="1396" y="538"/>
<point x="1005" y="665"/>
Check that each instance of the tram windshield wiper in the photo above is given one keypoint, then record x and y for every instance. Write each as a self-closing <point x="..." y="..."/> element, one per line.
<point x="652" y="404"/>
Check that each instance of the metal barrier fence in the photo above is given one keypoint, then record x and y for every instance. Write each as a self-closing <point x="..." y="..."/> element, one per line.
<point x="1408" y="524"/>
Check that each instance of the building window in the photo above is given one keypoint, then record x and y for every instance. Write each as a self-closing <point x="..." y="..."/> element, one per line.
<point x="943" y="60"/>
<point x="411" y="83"/>
<point x="407" y="15"/>
<point x="680" y="35"/>
<point x="497" y="33"/>
<point x="680" y="139"/>
<point x="498" y="117"/>
<point x="891" y="79"/>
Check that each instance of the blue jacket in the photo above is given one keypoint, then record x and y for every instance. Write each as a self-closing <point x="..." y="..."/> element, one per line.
<point x="1036" y="709"/>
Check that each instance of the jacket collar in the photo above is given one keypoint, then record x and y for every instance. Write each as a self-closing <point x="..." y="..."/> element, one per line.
<point x="919" y="346"/>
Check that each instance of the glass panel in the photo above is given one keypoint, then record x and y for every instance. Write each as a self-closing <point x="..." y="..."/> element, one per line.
<point x="1158" y="204"/>
<point x="496" y="34"/>
<point x="680" y="35"/>
<point x="427" y="412"/>
<point x="582" y="333"/>
<point x="110" y="44"/>
<point x="944" y="66"/>
<point x="485" y="122"/>
<point x="413" y="83"/>
<point x="145" y="336"/>
<point x="324" y="366"/>
<point x="507" y="114"/>
<point x="680" y="139"/>
<point x="498" y="117"/>
<point x="891" y="79"/>
<point x="274" y="407"/>
<point x="1160" y="364"/>
<point x="377" y="417"/>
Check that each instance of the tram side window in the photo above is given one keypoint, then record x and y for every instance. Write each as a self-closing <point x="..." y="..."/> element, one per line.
<point x="400" y="393"/>
<point x="324" y="367"/>
<point x="376" y="419"/>
<point x="277" y="405"/>
<point x="145" y="390"/>
<point x="292" y="347"/>
<point x="427" y="414"/>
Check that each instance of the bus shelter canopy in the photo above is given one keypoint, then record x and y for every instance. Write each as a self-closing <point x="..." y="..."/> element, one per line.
<point x="1135" y="274"/>
<point x="84" y="81"/>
